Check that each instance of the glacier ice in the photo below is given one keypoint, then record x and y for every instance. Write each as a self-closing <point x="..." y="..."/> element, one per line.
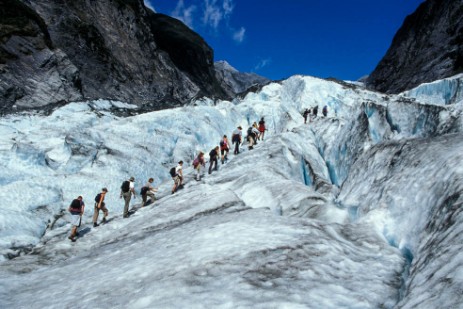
<point x="361" y="209"/>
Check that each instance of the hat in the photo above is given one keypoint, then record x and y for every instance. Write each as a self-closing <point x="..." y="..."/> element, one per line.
<point x="104" y="189"/>
<point x="132" y="179"/>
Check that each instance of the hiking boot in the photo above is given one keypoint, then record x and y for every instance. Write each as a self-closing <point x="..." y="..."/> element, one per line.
<point x="72" y="238"/>
<point x="125" y="216"/>
<point x="173" y="192"/>
<point x="95" y="224"/>
<point x="104" y="220"/>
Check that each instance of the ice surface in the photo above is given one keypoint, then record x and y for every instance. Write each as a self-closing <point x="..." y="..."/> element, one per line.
<point x="360" y="209"/>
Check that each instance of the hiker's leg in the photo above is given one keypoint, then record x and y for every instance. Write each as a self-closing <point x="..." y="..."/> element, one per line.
<point x="151" y="196"/>
<point x="96" y="211"/>
<point x="144" y="197"/>
<point x="127" y="196"/>
<point x="73" y="231"/>
<point x="105" y="211"/>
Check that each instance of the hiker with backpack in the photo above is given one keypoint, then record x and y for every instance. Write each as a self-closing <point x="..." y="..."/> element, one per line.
<point x="148" y="191"/>
<point x="127" y="190"/>
<point x="77" y="210"/>
<point x="213" y="159"/>
<point x="224" y="148"/>
<point x="177" y="176"/>
<point x="100" y="205"/>
<point x="325" y="111"/>
<point x="261" y="129"/>
<point x="315" y="111"/>
<point x="236" y="139"/>
<point x="305" y="115"/>
<point x="252" y="136"/>
<point x="199" y="162"/>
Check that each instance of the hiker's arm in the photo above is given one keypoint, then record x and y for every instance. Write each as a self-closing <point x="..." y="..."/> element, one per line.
<point x="82" y="209"/>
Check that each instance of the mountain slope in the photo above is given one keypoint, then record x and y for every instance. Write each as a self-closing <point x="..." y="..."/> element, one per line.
<point x="358" y="209"/>
<point x="107" y="49"/>
<point x="235" y="82"/>
<point x="427" y="47"/>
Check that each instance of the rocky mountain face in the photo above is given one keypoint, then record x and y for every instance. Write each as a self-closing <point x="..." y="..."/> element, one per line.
<point x="58" y="51"/>
<point x="427" y="47"/>
<point x="236" y="82"/>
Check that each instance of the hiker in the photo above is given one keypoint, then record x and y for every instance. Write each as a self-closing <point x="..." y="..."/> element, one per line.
<point x="148" y="191"/>
<point x="254" y="125"/>
<point x="255" y="129"/>
<point x="261" y="129"/>
<point x="177" y="177"/>
<point x="127" y="190"/>
<point x="199" y="162"/>
<point x="252" y="135"/>
<point x="224" y="148"/>
<point x="305" y="114"/>
<point x="100" y="205"/>
<point x="315" y="111"/>
<point x="77" y="210"/>
<point x="236" y="139"/>
<point x="213" y="159"/>
<point x="325" y="111"/>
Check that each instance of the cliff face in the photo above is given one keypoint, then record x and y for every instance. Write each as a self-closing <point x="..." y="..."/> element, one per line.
<point x="236" y="82"/>
<point x="32" y="71"/>
<point x="59" y="51"/>
<point x="428" y="46"/>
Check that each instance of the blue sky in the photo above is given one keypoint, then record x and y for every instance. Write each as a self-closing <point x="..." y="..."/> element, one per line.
<point x="277" y="39"/>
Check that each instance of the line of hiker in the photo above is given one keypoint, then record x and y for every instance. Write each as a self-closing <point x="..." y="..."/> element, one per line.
<point x="255" y="132"/>
<point x="313" y="112"/>
<point x="77" y="206"/>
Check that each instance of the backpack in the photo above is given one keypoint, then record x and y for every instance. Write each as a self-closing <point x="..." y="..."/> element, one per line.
<point x="221" y="143"/>
<point x="144" y="190"/>
<point x="75" y="205"/>
<point x="195" y="162"/>
<point x="125" y="186"/>
<point x="172" y="172"/>
<point x="250" y="131"/>
<point x="98" y="198"/>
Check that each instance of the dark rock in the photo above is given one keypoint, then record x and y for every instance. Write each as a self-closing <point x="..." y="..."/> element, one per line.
<point x="427" y="47"/>
<point x="60" y="51"/>
<point x="235" y="82"/>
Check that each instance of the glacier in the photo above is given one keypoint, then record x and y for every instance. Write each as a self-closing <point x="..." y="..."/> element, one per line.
<point x="360" y="209"/>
